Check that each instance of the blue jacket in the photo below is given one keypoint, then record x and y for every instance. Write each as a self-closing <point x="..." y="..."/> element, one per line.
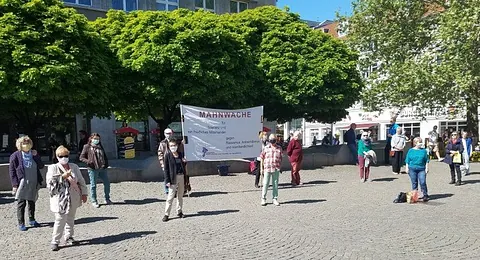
<point x="469" y="145"/>
<point x="17" y="170"/>
<point x="349" y="136"/>
<point x="457" y="146"/>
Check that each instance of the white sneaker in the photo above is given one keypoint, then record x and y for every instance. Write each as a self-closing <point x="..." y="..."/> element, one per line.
<point x="395" y="173"/>
<point x="264" y="202"/>
<point x="440" y="159"/>
<point x="275" y="202"/>
<point x="95" y="204"/>
<point x="362" y="180"/>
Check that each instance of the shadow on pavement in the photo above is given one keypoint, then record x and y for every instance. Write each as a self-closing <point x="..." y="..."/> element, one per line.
<point x="92" y="219"/>
<point x="318" y="182"/>
<point x="474" y="173"/>
<point x="384" y="179"/>
<point x="138" y="202"/>
<point x="197" y="194"/>
<point x="440" y="196"/>
<point x="80" y="221"/>
<point x="6" y="198"/>
<point x="471" y="181"/>
<point x="303" y="201"/>
<point x="114" y="238"/>
<point x="212" y="213"/>
<point x="305" y="184"/>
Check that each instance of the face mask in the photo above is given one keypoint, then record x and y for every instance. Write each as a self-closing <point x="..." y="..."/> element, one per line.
<point x="95" y="141"/>
<point x="63" y="161"/>
<point x="272" y="141"/>
<point x="364" y="137"/>
<point x="168" y="136"/>
<point x="173" y="148"/>
<point x="26" y="147"/>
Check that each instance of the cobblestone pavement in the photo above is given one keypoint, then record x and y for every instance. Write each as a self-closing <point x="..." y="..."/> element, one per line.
<point x="332" y="216"/>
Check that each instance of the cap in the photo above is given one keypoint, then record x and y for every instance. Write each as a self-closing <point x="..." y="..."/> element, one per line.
<point x="168" y="131"/>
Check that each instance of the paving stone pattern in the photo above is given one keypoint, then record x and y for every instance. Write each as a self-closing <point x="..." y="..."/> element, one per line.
<point x="332" y="216"/>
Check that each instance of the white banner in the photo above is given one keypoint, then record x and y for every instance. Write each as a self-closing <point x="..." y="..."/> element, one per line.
<point x="215" y="134"/>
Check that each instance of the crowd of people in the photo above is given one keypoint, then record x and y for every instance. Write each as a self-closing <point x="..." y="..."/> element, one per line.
<point x="68" y="190"/>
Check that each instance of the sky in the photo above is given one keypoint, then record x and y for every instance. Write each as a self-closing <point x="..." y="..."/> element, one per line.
<point x="317" y="10"/>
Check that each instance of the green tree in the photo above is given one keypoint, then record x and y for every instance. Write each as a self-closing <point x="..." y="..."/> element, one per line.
<point x="459" y="35"/>
<point x="305" y="73"/>
<point x="179" y="57"/>
<point x="394" y="34"/>
<point x="52" y="64"/>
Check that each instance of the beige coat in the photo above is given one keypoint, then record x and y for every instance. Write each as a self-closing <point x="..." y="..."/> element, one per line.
<point x="55" y="171"/>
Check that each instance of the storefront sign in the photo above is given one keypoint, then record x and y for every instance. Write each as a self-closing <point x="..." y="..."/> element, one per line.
<point x="214" y="134"/>
<point x="129" y="143"/>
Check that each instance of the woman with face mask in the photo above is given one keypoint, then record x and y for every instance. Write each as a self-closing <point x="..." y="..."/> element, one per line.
<point x="454" y="158"/>
<point x="417" y="166"/>
<point x="24" y="169"/>
<point x="364" y="146"/>
<point x="174" y="178"/>
<point x="67" y="191"/>
<point x="94" y="156"/>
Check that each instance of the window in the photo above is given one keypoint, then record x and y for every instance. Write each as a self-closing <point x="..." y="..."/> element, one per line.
<point x="208" y="5"/>
<point x="167" y="5"/>
<point x="326" y="30"/>
<point x="237" y="6"/>
<point x="409" y="129"/>
<point x="452" y="126"/>
<point x="125" y="5"/>
<point x="79" y="2"/>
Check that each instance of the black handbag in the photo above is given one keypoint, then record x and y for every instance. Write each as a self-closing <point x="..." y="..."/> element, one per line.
<point x="401" y="198"/>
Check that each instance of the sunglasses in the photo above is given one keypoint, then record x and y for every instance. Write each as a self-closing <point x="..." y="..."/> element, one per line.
<point x="62" y="156"/>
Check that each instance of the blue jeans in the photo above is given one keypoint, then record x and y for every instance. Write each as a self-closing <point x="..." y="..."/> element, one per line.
<point x="353" y="151"/>
<point x="93" y="175"/>
<point x="418" y="175"/>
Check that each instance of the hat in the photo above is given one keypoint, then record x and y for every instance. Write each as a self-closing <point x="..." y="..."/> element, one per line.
<point x="168" y="131"/>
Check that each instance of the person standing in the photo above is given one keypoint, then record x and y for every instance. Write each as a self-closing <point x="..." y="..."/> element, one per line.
<point x="453" y="158"/>
<point x="67" y="191"/>
<point x="52" y="146"/>
<point x="433" y="137"/>
<point x="271" y="163"/>
<point x="351" y="140"/>
<point x="364" y="146"/>
<point x="467" y="152"/>
<point x="295" y="155"/>
<point x="398" y="144"/>
<point x="417" y="166"/>
<point x="94" y="156"/>
<point x="264" y="140"/>
<point x="391" y="132"/>
<point x="174" y="178"/>
<point x="82" y="142"/>
<point x="24" y="169"/>
<point x="163" y="148"/>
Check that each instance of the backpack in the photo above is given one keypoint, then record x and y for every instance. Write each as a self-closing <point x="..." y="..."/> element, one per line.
<point x="401" y="198"/>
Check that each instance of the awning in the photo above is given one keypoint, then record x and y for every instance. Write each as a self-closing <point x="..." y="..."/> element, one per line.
<point x="359" y="126"/>
<point x="127" y="129"/>
<point x="266" y="129"/>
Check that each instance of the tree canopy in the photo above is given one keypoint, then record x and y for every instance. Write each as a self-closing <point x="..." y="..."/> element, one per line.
<point x="178" y="57"/>
<point x="306" y="73"/>
<point x="52" y="63"/>
<point x="424" y="53"/>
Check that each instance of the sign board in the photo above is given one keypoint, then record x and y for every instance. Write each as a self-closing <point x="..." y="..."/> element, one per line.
<point x="129" y="143"/>
<point x="215" y="134"/>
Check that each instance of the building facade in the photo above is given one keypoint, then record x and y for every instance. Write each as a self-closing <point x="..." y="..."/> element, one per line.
<point x="98" y="8"/>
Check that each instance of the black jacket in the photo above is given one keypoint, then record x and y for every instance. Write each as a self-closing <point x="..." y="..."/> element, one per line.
<point x="170" y="168"/>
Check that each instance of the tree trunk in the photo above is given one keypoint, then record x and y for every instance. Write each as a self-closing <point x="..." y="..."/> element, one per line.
<point x="472" y="115"/>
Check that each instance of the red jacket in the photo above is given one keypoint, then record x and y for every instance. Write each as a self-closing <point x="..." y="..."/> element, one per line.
<point x="294" y="151"/>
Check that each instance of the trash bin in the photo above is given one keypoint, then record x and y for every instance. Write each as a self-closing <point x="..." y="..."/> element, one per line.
<point x="223" y="170"/>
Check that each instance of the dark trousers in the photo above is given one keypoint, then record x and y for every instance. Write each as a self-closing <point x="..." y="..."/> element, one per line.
<point x="388" y="147"/>
<point x="397" y="161"/>
<point x="353" y="151"/>
<point x="455" y="167"/>
<point x="21" y="204"/>
<point x="257" y="172"/>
